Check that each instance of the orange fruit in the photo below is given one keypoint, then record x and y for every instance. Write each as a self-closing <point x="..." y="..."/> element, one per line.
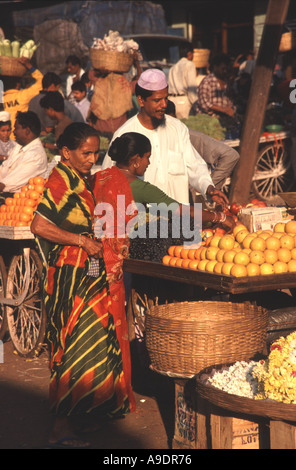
<point x="177" y="251"/>
<point x="200" y="264"/>
<point x="197" y="252"/>
<point x="278" y="234"/>
<point x="287" y="242"/>
<point x="239" y="228"/>
<point x="27" y="210"/>
<point x="270" y="256"/>
<point x="31" y="181"/>
<point x="280" y="267"/>
<point x="253" y="269"/>
<point x="226" y="242"/>
<point x="219" y="255"/>
<point x="39" y="180"/>
<point x="265" y="234"/>
<point x="25" y="217"/>
<point x="166" y="259"/>
<point x="226" y="268"/>
<point x="293" y="253"/>
<point x="29" y="202"/>
<point x="16" y="195"/>
<point x="173" y="261"/>
<point x="24" y="189"/>
<point x="218" y="268"/>
<point x="184" y="253"/>
<point x="241" y="258"/>
<point x="229" y="256"/>
<point x="266" y="268"/>
<point x="247" y="240"/>
<point x="258" y="244"/>
<point x="191" y="253"/>
<point x="209" y="267"/>
<point x="238" y="270"/>
<point x="3" y="208"/>
<point x="284" y="255"/>
<point x="215" y="240"/>
<point x="241" y="235"/>
<point x="257" y="257"/>
<point x="9" y="201"/>
<point x="179" y="262"/>
<point x="203" y="253"/>
<point x="33" y="194"/>
<point x="279" y="227"/>
<point x="170" y="250"/>
<point x="208" y="240"/>
<point x="20" y="224"/>
<point x="185" y="263"/>
<point x="23" y="194"/>
<point x="272" y="243"/>
<point x="292" y="266"/>
<point x="290" y="226"/>
<point x="211" y="252"/>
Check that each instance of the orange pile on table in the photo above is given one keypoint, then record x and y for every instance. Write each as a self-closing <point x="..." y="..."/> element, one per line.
<point x="241" y="253"/>
<point x="18" y="210"/>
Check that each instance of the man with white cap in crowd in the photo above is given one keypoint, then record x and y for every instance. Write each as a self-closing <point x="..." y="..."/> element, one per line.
<point x="6" y="144"/>
<point x="174" y="163"/>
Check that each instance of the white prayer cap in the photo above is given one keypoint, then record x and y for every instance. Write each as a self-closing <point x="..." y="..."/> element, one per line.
<point x="4" y="116"/>
<point x="153" y="80"/>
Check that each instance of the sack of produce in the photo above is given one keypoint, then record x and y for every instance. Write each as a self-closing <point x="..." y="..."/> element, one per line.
<point x="113" y="53"/>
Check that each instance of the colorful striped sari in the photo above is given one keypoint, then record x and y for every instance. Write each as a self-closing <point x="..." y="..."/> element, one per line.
<point x="85" y="357"/>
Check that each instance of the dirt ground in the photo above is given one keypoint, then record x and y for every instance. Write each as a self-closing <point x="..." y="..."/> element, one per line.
<point x="25" y="418"/>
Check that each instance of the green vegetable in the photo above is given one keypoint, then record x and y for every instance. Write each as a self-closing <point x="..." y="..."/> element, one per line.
<point x="206" y="124"/>
<point x="15" y="47"/>
<point x="7" y="48"/>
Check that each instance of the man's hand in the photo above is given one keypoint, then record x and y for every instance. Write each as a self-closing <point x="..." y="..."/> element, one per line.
<point x="25" y="62"/>
<point x="217" y="196"/>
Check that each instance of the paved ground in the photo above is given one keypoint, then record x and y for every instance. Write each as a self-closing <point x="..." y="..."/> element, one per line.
<point x="25" y="418"/>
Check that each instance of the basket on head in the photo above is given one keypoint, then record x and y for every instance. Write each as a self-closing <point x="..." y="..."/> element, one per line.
<point x="10" y="66"/>
<point x="201" y="57"/>
<point x="184" y="338"/>
<point x="111" y="61"/>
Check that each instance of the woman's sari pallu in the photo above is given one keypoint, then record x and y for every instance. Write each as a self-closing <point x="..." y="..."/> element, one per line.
<point x="85" y="357"/>
<point x="107" y="186"/>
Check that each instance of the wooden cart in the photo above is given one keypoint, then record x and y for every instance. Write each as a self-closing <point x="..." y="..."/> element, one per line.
<point x="273" y="172"/>
<point x="22" y="313"/>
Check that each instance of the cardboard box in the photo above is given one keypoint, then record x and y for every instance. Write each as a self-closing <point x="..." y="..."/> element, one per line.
<point x="263" y="218"/>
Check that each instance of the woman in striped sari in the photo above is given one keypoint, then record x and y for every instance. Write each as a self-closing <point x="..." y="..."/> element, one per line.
<point x="85" y="359"/>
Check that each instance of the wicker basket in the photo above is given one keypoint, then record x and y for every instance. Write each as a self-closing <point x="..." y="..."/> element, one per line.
<point x="267" y="408"/>
<point x="184" y="338"/>
<point x="288" y="41"/>
<point x="10" y="66"/>
<point x="111" y="61"/>
<point x="201" y="57"/>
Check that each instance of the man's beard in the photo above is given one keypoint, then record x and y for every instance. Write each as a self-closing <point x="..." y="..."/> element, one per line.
<point x="158" y="122"/>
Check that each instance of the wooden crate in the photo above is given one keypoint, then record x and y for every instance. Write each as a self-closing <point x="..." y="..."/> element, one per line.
<point x="282" y="435"/>
<point x="16" y="233"/>
<point x="233" y="433"/>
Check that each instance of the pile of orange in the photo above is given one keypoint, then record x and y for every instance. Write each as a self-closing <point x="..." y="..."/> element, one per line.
<point x="241" y="253"/>
<point x="18" y="210"/>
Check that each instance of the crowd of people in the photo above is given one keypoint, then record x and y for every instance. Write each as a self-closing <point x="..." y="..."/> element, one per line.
<point x="151" y="159"/>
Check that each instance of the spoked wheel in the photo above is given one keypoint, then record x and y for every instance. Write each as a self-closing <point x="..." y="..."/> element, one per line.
<point x="26" y="315"/>
<point x="3" y="280"/>
<point x="273" y="172"/>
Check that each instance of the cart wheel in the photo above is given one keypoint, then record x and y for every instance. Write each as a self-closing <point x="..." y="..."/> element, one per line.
<point x="273" y="172"/>
<point x="27" y="321"/>
<point x="3" y="280"/>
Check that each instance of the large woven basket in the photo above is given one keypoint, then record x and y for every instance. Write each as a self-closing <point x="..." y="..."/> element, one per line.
<point x="267" y="408"/>
<point x="111" y="61"/>
<point x="10" y="66"/>
<point x="201" y="57"/>
<point x="184" y="338"/>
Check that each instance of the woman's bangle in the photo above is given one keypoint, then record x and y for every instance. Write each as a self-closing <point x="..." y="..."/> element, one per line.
<point x="219" y="217"/>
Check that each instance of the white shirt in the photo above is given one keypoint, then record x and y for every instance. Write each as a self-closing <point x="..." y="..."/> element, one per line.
<point x="23" y="163"/>
<point x="69" y="83"/>
<point x="182" y="79"/>
<point x="174" y="162"/>
<point x="83" y="107"/>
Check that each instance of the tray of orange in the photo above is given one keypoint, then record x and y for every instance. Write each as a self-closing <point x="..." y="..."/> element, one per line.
<point x="17" y="213"/>
<point x="239" y="262"/>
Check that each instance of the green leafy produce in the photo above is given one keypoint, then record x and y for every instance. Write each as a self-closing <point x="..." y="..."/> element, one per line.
<point x="206" y="124"/>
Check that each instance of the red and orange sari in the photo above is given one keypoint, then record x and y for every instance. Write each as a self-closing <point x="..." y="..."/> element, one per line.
<point x="107" y="185"/>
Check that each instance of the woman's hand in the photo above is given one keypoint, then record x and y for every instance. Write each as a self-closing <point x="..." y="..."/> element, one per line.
<point x="93" y="248"/>
<point x="229" y="223"/>
<point x="218" y="197"/>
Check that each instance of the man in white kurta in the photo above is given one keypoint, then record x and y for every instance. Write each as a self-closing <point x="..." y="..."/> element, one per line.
<point x="182" y="84"/>
<point x="174" y="163"/>
<point x="27" y="160"/>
